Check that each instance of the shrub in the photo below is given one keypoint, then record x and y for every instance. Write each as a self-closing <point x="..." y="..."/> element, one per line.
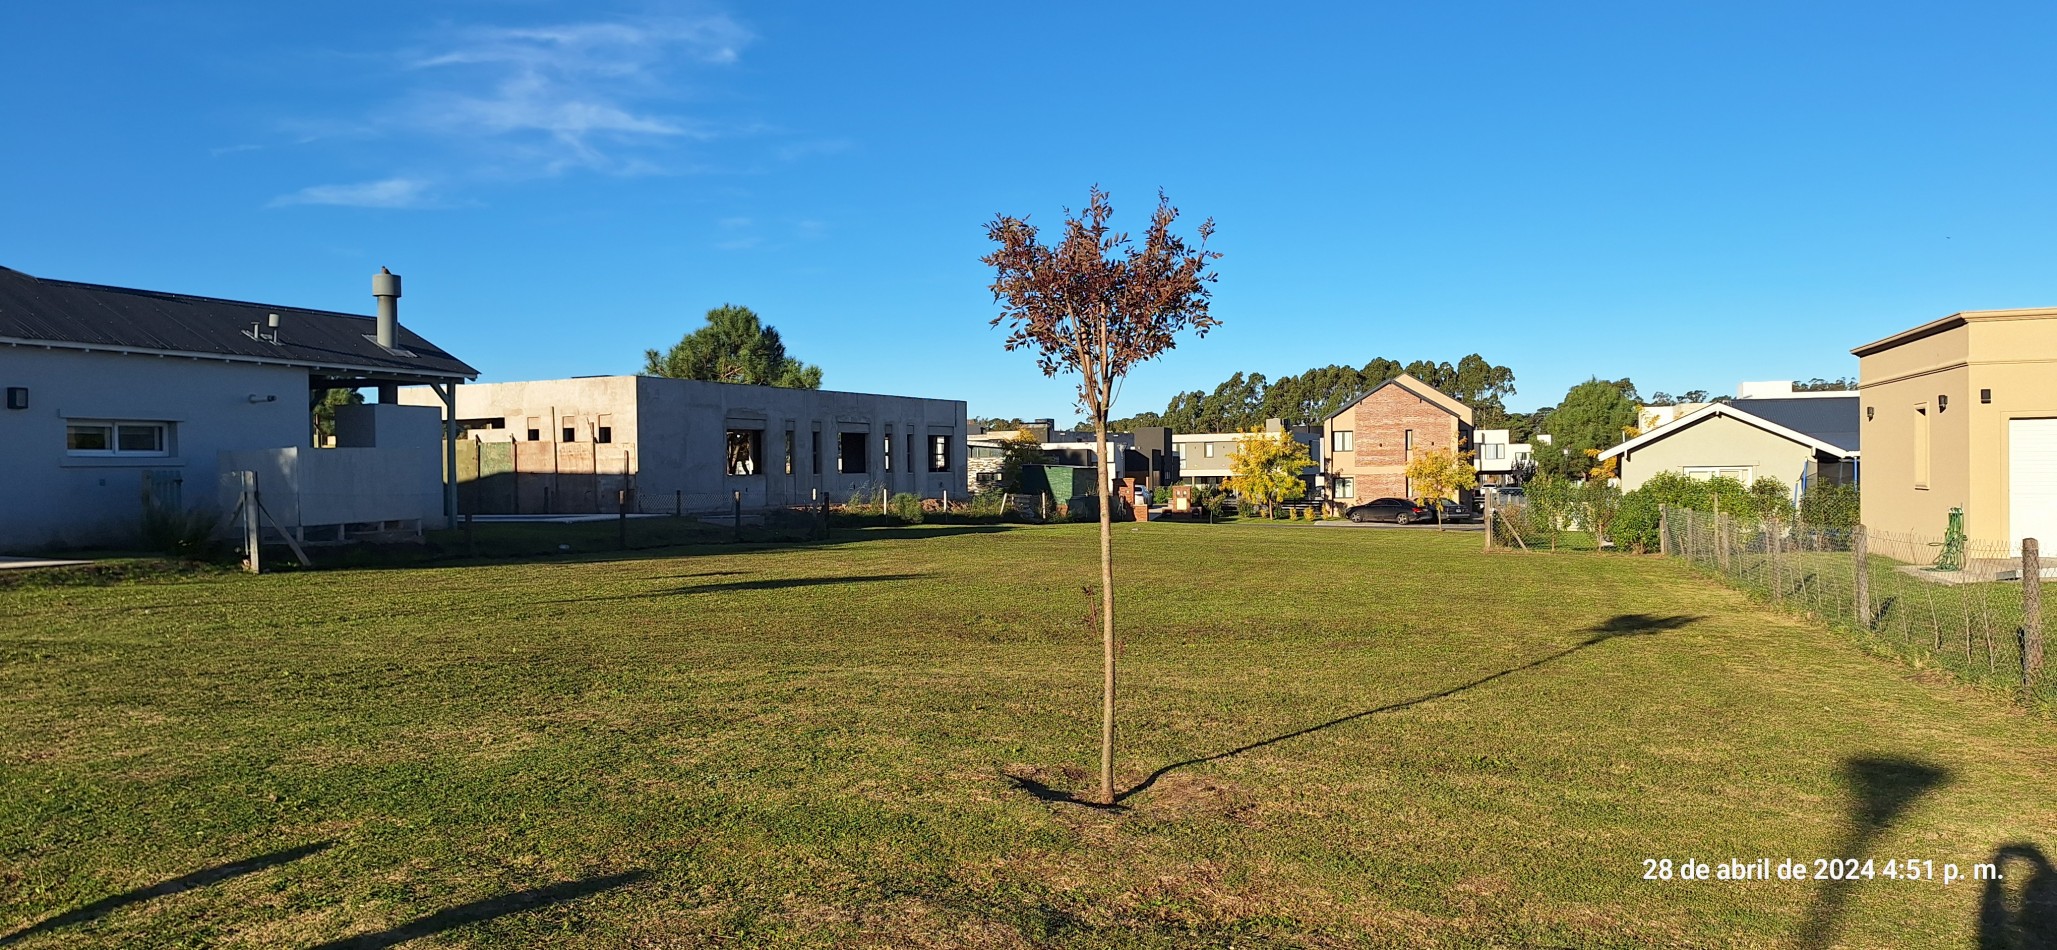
<point x="187" y="533"/>
<point x="1830" y="506"/>
<point x="907" y="508"/>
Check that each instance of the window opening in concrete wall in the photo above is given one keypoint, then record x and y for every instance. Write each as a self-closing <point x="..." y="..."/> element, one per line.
<point x="939" y="453"/>
<point x="789" y="451"/>
<point x="814" y="452"/>
<point x="886" y="446"/>
<point x="603" y="428"/>
<point x="535" y="429"/>
<point x="854" y="448"/>
<point x="571" y="429"/>
<point x="746" y="451"/>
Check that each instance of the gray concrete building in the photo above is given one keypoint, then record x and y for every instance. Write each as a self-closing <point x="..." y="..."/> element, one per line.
<point x="574" y="445"/>
<point x="116" y="398"/>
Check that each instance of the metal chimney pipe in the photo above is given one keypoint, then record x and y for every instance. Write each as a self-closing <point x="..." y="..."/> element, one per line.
<point x="385" y="286"/>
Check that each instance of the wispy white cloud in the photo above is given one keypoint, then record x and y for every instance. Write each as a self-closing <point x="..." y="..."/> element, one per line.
<point x="537" y="101"/>
<point x="385" y="193"/>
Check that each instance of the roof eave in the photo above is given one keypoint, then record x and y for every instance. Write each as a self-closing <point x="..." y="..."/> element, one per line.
<point x="392" y="373"/>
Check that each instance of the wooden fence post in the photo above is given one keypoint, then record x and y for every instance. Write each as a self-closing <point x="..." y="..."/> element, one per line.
<point x="1664" y="530"/>
<point x="1486" y="518"/>
<point x="2031" y="612"/>
<point x="1860" y="547"/>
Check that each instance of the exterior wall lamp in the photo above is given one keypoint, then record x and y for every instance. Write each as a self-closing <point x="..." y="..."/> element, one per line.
<point x="1942" y="403"/>
<point x="1869" y="411"/>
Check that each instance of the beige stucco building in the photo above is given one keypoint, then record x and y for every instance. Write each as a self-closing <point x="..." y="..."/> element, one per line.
<point x="1800" y="438"/>
<point x="1962" y="413"/>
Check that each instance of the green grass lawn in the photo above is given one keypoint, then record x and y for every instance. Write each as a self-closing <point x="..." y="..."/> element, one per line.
<point x="1331" y="737"/>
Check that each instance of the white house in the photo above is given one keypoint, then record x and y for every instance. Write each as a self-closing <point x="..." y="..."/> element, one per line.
<point x="115" y="395"/>
<point x="1497" y="457"/>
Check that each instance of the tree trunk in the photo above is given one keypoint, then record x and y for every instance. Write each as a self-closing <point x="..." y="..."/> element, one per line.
<point x="1106" y="614"/>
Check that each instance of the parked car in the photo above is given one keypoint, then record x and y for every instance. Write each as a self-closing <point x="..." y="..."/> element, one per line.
<point x="1457" y="512"/>
<point x="1395" y="510"/>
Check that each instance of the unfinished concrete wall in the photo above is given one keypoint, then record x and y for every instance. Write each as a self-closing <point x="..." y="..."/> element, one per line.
<point x="685" y="444"/>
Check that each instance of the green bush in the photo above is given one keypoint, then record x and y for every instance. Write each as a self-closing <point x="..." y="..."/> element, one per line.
<point x="906" y="507"/>
<point x="187" y="533"/>
<point x="1830" y="506"/>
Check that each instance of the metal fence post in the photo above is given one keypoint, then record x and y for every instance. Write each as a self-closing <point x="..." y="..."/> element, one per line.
<point x="2031" y="612"/>
<point x="1860" y="547"/>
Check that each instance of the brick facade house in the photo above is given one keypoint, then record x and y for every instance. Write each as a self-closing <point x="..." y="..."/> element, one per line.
<point x="1371" y="440"/>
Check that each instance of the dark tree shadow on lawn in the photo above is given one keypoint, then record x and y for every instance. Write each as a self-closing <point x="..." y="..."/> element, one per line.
<point x="201" y="878"/>
<point x="488" y="909"/>
<point x="2030" y="922"/>
<point x="1622" y="625"/>
<point x="769" y="583"/>
<point x="1881" y="790"/>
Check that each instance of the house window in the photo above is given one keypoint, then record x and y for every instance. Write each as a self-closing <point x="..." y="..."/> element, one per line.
<point x="1346" y="488"/>
<point x="789" y="451"/>
<point x="1210" y="450"/>
<point x="1493" y="452"/>
<point x="535" y="429"/>
<point x="939" y="453"/>
<point x="1407" y="444"/>
<point x="1341" y="440"/>
<point x="854" y="449"/>
<point x="886" y="444"/>
<point x="745" y="451"/>
<point x="1922" y="446"/>
<point x="106" y="437"/>
<point x="1741" y="473"/>
<point x="814" y="451"/>
<point x="603" y="428"/>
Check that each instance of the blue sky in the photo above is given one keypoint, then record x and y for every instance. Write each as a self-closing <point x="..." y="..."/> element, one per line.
<point x="1687" y="195"/>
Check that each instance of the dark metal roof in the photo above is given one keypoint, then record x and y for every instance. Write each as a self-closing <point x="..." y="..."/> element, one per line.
<point x="67" y="314"/>
<point x="1832" y="419"/>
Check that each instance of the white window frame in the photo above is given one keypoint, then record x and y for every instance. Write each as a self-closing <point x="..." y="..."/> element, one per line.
<point x="114" y="449"/>
<point x="1210" y="449"/>
<point x="1742" y="473"/>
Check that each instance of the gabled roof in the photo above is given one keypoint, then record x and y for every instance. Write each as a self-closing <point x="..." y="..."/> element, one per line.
<point x="1423" y="391"/>
<point x="1762" y="413"/>
<point x="65" y="314"/>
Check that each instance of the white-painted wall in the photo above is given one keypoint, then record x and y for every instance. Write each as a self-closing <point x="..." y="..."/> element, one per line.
<point x="51" y="500"/>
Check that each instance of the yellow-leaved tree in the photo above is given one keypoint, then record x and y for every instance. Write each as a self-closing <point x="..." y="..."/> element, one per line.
<point x="1441" y="473"/>
<point x="1265" y="468"/>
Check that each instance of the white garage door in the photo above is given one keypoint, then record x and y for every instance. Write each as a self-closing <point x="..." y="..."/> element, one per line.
<point x="2032" y="482"/>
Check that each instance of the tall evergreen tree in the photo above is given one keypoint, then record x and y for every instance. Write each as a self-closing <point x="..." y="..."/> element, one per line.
<point x="734" y="347"/>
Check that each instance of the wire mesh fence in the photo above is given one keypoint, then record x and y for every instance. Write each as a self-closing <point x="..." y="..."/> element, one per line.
<point x="1956" y="603"/>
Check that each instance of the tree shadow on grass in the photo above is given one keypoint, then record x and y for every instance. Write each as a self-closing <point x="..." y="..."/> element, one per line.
<point x="1882" y="789"/>
<point x="1622" y="625"/>
<point x="769" y="583"/>
<point x="488" y="909"/>
<point x="201" y="878"/>
<point x="2029" y="920"/>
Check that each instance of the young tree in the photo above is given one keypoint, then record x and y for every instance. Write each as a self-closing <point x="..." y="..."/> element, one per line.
<point x="734" y="347"/>
<point x="1441" y="473"/>
<point x="325" y="412"/>
<point x="1023" y="449"/>
<point x="1265" y="467"/>
<point x="1095" y="304"/>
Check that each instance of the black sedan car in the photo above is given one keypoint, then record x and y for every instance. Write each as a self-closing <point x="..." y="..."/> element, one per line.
<point x="1457" y="512"/>
<point x="1395" y="510"/>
